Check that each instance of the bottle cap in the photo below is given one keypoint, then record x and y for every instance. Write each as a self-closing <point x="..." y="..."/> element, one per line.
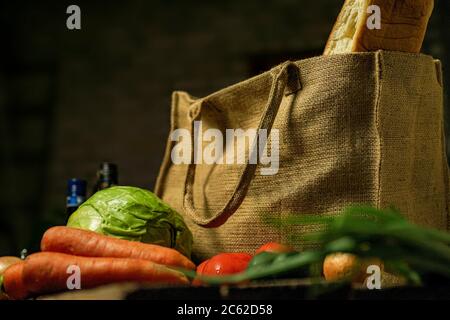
<point x="76" y="187"/>
<point x="108" y="170"/>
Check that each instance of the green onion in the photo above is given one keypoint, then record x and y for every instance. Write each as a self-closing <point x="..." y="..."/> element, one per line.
<point x="407" y="249"/>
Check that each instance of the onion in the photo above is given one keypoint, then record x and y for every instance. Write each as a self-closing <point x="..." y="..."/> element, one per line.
<point x="5" y="262"/>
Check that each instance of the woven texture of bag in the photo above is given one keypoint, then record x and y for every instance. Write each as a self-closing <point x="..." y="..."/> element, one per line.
<point x="363" y="128"/>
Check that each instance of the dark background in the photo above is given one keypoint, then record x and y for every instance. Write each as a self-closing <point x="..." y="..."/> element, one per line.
<point x="72" y="99"/>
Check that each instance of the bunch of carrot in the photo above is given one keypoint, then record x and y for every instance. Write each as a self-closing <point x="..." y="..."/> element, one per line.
<point x="101" y="260"/>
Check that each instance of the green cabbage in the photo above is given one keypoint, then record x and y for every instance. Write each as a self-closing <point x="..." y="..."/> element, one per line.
<point x="133" y="214"/>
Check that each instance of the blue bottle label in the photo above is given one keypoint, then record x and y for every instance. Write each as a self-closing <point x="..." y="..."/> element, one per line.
<point x="74" y="201"/>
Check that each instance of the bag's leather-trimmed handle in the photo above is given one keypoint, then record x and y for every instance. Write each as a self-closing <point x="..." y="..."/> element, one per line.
<point x="280" y="78"/>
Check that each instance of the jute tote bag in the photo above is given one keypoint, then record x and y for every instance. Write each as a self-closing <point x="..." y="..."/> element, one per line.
<point x="362" y="128"/>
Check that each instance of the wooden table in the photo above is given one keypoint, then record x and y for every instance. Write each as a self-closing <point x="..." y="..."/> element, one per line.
<point x="264" y="290"/>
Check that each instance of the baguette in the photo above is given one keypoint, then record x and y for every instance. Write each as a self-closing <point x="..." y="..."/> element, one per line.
<point x="403" y="26"/>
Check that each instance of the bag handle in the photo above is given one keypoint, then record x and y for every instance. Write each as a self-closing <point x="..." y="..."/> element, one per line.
<point x="280" y="78"/>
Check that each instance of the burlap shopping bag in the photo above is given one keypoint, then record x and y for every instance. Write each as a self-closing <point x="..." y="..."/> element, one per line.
<point x="362" y="128"/>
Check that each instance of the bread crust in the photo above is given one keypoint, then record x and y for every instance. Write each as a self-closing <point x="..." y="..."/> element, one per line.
<point x="403" y="27"/>
<point x="329" y="47"/>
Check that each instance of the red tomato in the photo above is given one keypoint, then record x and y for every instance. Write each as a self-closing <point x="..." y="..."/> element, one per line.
<point x="224" y="263"/>
<point x="274" y="247"/>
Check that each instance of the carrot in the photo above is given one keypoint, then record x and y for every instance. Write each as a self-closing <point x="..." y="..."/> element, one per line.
<point x="13" y="282"/>
<point x="47" y="272"/>
<point x="91" y="244"/>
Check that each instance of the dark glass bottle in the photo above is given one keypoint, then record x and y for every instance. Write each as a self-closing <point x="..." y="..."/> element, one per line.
<point x="107" y="176"/>
<point x="76" y="194"/>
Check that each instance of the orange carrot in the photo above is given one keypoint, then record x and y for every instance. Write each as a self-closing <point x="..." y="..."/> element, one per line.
<point x="91" y="244"/>
<point x="48" y="272"/>
<point x="13" y="282"/>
